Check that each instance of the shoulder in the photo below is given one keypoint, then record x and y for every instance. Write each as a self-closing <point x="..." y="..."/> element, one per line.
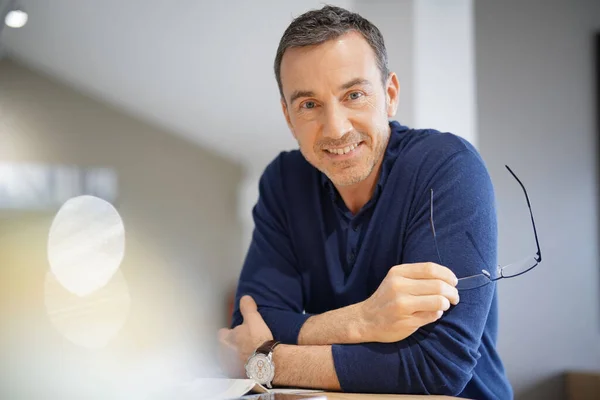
<point x="287" y="176"/>
<point x="429" y="153"/>
<point x="431" y="159"/>
<point x="287" y="162"/>
<point x="284" y="183"/>
<point x="287" y="166"/>
<point x="435" y="147"/>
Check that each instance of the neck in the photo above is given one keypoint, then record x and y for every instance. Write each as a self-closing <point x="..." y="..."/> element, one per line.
<point x="357" y="195"/>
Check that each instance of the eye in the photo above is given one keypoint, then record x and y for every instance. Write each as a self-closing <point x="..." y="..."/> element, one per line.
<point x="355" y="95"/>
<point x="308" y="105"/>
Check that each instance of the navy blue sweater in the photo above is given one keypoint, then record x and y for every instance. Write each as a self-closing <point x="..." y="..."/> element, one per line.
<point x="309" y="255"/>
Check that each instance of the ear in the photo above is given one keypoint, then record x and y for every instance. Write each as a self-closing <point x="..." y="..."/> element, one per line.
<point x="287" y="116"/>
<point x="392" y="94"/>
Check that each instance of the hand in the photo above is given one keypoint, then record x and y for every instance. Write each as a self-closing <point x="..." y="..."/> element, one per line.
<point x="410" y="296"/>
<point x="237" y="345"/>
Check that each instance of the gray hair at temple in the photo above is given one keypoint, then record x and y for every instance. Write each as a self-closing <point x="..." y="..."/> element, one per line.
<point x="318" y="26"/>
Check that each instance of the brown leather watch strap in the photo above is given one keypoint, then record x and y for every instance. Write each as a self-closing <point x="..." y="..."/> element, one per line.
<point x="267" y="347"/>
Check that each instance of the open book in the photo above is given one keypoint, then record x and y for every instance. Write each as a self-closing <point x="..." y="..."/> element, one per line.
<point x="224" y="388"/>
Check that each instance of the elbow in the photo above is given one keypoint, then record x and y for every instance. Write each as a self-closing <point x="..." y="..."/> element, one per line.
<point x="447" y="385"/>
<point x="382" y="371"/>
<point x="450" y="385"/>
<point x="432" y="381"/>
<point x="448" y="378"/>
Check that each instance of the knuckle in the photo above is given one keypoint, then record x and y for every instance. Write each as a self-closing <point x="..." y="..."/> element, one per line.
<point x="445" y="303"/>
<point x="440" y="287"/>
<point x="455" y="293"/>
<point x="398" y="283"/>
<point x="433" y="316"/>
<point x="415" y="323"/>
<point x="401" y="303"/>
<point x="440" y="302"/>
<point x="450" y="273"/>
<point x="430" y="269"/>
<point x="394" y="271"/>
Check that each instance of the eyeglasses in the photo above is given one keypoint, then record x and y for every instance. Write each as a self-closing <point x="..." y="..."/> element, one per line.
<point x="507" y="271"/>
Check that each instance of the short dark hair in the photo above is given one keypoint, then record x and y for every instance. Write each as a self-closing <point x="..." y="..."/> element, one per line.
<point x="318" y="26"/>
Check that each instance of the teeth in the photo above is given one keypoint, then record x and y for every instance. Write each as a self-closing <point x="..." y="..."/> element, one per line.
<point x="345" y="150"/>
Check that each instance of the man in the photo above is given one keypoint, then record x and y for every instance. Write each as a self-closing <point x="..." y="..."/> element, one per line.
<point x="343" y="269"/>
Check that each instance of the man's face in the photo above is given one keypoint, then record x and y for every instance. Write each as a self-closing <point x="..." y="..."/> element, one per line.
<point x="336" y="106"/>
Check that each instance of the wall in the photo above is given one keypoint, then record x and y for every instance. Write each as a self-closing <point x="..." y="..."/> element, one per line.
<point x="178" y="203"/>
<point x="536" y="114"/>
<point x="430" y="47"/>
<point x="444" y="64"/>
<point x="396" y="22"/>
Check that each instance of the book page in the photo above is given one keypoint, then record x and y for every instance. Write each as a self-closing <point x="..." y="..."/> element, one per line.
<point x="294" y="391"/>
<point x="207" y="388"/>
<point x="220" y="389"/>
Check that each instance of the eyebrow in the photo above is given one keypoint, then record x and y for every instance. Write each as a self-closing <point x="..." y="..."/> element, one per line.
<point x="355" y="82"/>
<point x="307" y="93"/>
<point x="300" y="93"/>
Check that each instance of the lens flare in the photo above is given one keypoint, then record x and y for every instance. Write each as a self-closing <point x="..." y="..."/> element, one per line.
<point x="86" y="244"/>
<point x="89" y="321"/>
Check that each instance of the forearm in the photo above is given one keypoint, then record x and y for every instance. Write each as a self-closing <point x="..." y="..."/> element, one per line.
<point x="305" y="367"/>
<point x="368" y="368"/>
<point x="442" y="355"/>
<point x="342" y="326"/>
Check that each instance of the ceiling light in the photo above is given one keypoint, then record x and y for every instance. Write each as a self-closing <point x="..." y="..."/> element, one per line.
<point x="16" y="18"/>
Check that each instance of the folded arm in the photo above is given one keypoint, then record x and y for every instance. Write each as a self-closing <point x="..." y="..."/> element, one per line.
<point x="438" y="357"/>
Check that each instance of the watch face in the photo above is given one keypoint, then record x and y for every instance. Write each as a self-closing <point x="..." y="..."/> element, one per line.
<point x="260" y="368"/>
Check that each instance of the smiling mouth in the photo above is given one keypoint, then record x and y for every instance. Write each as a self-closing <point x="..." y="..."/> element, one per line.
<point x="343" y="150"/>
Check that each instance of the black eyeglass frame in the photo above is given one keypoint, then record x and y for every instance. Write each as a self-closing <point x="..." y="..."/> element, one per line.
<point x="484" y="273"/>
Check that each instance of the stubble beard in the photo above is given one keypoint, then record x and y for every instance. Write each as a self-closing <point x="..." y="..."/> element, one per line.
<point x="349" y="172"/>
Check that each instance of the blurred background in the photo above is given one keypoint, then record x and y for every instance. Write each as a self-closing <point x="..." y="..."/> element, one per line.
<point x="170" y="111"/>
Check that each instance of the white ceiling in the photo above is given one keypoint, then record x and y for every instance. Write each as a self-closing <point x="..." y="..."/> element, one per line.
<point x="201" y="69"/>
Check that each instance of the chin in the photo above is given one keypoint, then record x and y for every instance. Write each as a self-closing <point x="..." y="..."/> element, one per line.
<point x="348" y="178"/>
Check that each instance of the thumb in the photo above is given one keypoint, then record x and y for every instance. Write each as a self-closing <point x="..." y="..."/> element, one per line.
<point x="247" y="306"/>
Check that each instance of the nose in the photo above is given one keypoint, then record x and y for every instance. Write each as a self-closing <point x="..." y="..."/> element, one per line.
<point x="336" y="123"/>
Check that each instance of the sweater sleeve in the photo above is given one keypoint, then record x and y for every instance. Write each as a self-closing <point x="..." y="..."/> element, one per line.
<point x="439" y="358"/>
<point x="270" y="272"/>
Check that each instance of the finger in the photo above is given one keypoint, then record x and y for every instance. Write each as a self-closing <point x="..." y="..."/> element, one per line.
<point x="426" y="271"/>
<point x="422" y="287"/>
<point x="430" y="303"/>
<point x="427" y="317"/>
<point x="249" y="309"/>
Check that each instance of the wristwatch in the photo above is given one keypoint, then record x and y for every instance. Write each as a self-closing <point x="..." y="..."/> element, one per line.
<point x="259" y="366"/>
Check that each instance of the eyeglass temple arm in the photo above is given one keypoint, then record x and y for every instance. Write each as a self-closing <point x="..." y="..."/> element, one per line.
<point x="437" y="249"/>
<point x="431" y="212"/>
<point x="539" y="252"/>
